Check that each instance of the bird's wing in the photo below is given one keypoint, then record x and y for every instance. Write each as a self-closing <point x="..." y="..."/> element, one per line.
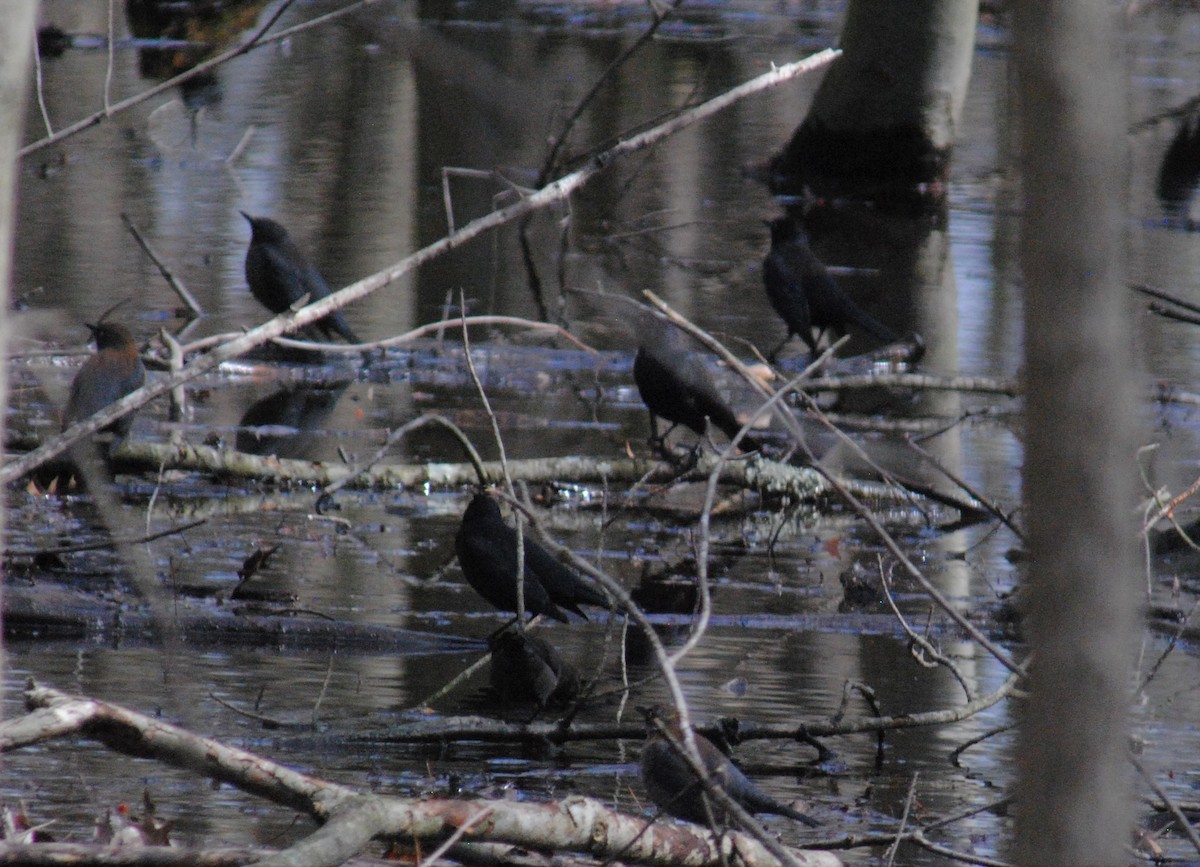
<point x="296" y="275"/>
<point x="563" y="584"/>
<point x="784" y="278"/>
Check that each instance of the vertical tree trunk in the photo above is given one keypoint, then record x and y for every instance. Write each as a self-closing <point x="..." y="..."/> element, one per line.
<point x="16" y="43"/>
<point x="1081" y="596"/>
<point x="886" y="114"/>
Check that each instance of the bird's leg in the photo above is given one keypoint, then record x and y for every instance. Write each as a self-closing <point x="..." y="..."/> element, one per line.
<point x="658" y="443"/>
<point x="496" y="633"/>
<point x="774" y="353"/>
<point x="655" y="440"/>
<point x="683" y="462"/>
<point x="814" y="346"/>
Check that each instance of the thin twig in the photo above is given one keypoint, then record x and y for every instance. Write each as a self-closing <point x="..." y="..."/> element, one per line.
<point x="551" y="161"/>
<point x="945" y="604"/>
<point x="398" y="434"/>
<point x="1174" y="315"/>
<point x="918" y="838"/>
<point x="1172" y="643"/>
<point x="243" y="142"/>
<point x="108" y="72"/>
<point x="1172" y="807"/>
<point x="1168" y="509"/>
<point x="41" y="90"/>
<point x="107" y="543"/>
<point x="316" y="719"/>
<point x="174" y="282"/>
<point x="255" y="41"/>
<point x="918" y="644"/>
<point x="179" y="403"/>
<point x="968" y="488"/>
<point x="458" y="834"/>
<point x="508" y="482"/>
<point x="400" y="339"/>
<point x="966" y="745"/>
<point x="704" y="612"/>
<point x="890" y="857"/>
<point x="1165" y="296"/>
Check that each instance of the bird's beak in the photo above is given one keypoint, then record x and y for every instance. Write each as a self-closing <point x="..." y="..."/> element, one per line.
<point x="249" y="219"/>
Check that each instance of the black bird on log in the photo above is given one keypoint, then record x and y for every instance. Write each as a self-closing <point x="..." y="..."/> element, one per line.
<point x="675" y="385"/>
<point x="113" y="372"/>
<point x="804" y="293"/>
<point x="527" y="668"/>
<point x="487" y="553"/>
<point x="279" y="275"/>
<point x="673" y="786"/>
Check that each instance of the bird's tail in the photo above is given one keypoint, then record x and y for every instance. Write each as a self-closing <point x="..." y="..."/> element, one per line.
<point x="728" y="424"/>
<point x="870" y="324"/>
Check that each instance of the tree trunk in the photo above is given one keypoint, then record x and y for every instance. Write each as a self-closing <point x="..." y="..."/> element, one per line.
<point x="884" y="119"/>
<point x="1081" y="595"/>
<point x="16" y="43"/>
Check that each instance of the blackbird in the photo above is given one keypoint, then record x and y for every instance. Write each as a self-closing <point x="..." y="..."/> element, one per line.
<point x="676" y="386"/>
<point x="113" y="372"/>
<point x="671" y="784"/>
<point x="279" y="275"/>
<point x="487" y="553"/>
<point x="527" y="668"/>
<point x="804" y="293"/>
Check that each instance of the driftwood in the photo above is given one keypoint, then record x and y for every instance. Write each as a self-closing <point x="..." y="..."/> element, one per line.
<point x="755" y="474"/>
<point x="350" y="819"/>
<point x="771" y="478"/>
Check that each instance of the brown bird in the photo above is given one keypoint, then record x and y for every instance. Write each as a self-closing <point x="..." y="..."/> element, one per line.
<point x="113" y="372"/>
<point x="672" y="785"/>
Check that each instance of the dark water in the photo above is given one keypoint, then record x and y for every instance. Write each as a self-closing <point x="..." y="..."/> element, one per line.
<point x="353" y="124"/>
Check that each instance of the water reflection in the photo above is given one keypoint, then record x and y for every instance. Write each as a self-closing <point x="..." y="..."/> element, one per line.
<point x="289" y="423"/>
<point x="1179" y="172"/>
<point x="357" y="178"/>
<point x="197" y="29"/>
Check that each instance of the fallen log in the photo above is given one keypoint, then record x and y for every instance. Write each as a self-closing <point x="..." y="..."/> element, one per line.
<point x="350" y="820"/>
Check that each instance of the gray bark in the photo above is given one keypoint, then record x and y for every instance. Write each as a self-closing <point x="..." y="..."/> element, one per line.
<point x="16" y="41"/>
<point x="904" y="64"/>
<point x="1081" y="595"/>
<point x="888" y="110"/>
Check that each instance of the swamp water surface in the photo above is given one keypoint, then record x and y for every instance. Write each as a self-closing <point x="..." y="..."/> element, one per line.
<point x="352" y="125"/>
